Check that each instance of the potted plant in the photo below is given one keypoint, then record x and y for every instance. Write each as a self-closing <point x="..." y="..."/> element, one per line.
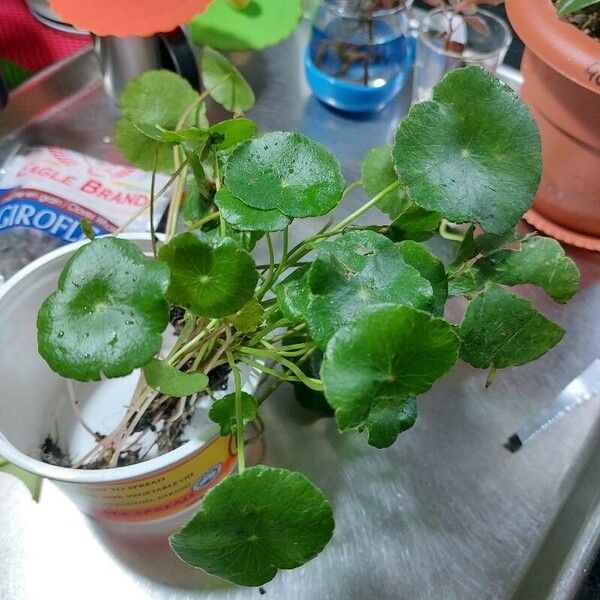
<point x="561" y="68"/>
<point x="353" y="313"/>
<point x="360" y="53"/>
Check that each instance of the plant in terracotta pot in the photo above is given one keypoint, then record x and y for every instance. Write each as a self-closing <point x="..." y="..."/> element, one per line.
<point x="352" y="315"/>
<point x="561" y="72"/>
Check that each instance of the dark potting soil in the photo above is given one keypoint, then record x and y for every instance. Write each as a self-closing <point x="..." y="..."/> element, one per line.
<point x="586" y="19"/>
<point x="53" y="454"/>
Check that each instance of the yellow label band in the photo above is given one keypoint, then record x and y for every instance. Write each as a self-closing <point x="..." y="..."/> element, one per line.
<point x="166" y="492"/>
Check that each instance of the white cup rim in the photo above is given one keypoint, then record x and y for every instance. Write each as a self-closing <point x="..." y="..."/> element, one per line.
<point x="116" y="474"/>
<point x="480" y="56"/>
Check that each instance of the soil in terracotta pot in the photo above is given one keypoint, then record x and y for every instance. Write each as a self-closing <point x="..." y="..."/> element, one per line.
<point x="587" y="20"/>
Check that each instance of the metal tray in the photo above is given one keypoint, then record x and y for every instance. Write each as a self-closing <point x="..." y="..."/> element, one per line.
<point x="447" y="513"/>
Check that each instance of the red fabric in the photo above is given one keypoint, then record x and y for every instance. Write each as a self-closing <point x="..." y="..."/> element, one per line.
<point x="29" y="43"/>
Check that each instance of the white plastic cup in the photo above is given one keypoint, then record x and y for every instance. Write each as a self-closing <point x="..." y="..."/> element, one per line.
<point x="32" y="406"/>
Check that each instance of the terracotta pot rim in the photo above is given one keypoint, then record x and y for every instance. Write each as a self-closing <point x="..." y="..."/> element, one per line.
<point x="558" y="43"/>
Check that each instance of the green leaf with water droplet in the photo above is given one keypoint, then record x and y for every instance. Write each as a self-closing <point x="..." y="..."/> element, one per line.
<point x="171" y="381"/>
<point x="358" y="271"/>
<point x="109" y="311"/>
<point x="374" y="365"/>
<point x="285" y="171"/>
<point x="211" y="276"/>
<point x="222" y="412"/>
<point x="500" y="330"/>
<point x="293" y="295"/>
<point x="431" y="268"/>
<point x="472" y="152"/>
<point x="244" y="217"/>
<point x="538" y="260"/>
<point x="256" y="523"/>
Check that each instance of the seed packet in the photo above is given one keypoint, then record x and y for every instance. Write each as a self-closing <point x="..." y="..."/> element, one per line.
<point x="46" y="191"/>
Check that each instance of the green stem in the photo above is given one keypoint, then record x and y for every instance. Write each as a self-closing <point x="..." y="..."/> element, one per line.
<point x="351" y="187"/>
<point x="304" y="248"/>
<point x="313" y="384"/>
<point x="260" y="367"/>
<point x="239" y="418"/>
<point x="188" y="327"/>
<point x="365" y="207"/>
<point x="152" y="199"/>
<point x="204" y="220"/>
<point x="203" y="336"/>
<point x="262" y="290"/>
<point x="287" y="333"/>
<point x="491" y="376"/>
<point x="448" y="234"/>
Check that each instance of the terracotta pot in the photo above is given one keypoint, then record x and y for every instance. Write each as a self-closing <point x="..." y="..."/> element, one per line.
<point x="561" y="71"/>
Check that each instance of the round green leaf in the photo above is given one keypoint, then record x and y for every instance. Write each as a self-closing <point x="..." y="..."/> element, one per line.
<point x="211" y="277"/>
<point x="500" y="330"/>
<point x="171" y="381"/>
<point x="255" y="523"/>
<point x="158" y="98"/>
<point x="230" y="132"/>
<point x="414" y="223"/>
<point x="244" y="217"/>
<point x="388" y="419"/>
<point x="539" y="261"/>
<point x="431" y="268"/>
<point x="387" y="355"/>
<point x="377" y="173"/>
<point x="154" y="101"/>
<point x="472" y="152"/>
<point x="262" y="23"/>
<point x="285" y="171"/>
<point x="225" y="83"/>
<point x="108" y="313"/>
<point x="141" y="151"/>
<point x="222" y="412"/>
<point x="356" y="272"/>
<point x="249" y="318"/>
<point x="293" y="295"/>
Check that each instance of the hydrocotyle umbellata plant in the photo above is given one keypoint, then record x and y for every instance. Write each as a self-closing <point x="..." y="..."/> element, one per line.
<point x="353" y="315"/>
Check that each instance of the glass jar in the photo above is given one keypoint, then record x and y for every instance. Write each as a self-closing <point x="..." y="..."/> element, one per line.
<point x="359" y="54"/>
<point x="447" y="42"/>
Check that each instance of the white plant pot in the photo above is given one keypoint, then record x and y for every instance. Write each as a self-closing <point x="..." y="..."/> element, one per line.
<point x="34" y="403"/>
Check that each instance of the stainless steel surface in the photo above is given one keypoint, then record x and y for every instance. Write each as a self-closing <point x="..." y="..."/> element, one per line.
<point x="124" y="59"/>
<point x="445" y="514"/>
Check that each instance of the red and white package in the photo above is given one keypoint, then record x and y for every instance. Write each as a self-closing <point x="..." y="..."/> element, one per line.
<point x="46" y="191"/>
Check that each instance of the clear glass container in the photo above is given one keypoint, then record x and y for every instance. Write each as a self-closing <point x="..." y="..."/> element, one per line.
<point x="359" y="55"/>
<point x="448" y="42"/>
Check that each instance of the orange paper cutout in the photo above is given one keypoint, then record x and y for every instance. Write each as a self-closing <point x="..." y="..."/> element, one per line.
<point x="123" y="18"/>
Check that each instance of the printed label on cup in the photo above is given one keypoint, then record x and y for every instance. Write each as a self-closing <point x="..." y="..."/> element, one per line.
<point x="165" y="493"/>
